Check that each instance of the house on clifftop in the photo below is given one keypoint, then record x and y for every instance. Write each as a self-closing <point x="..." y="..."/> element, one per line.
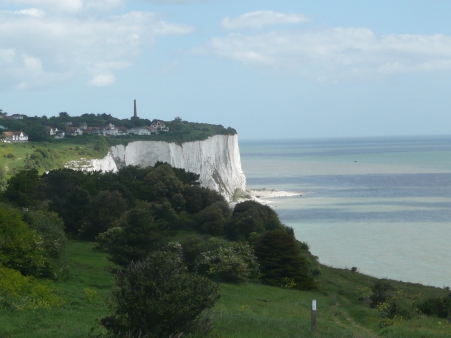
<point x="14" y="136"/>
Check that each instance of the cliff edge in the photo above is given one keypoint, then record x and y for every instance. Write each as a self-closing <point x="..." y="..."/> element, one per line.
<point x="216" y="159"/>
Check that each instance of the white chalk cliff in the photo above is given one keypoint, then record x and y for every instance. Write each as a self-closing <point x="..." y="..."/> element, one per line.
<point x="216" y="160"/>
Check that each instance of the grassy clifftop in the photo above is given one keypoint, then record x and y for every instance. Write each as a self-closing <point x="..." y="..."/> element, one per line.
<point x="48" y="153"/>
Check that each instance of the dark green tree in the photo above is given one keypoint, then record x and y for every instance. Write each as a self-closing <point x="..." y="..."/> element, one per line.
<point x="73" y="208"/>
<point x="198" y="198"/>
<point x="133" y="236"/>
<point x="249" y="217"/>
<point x="51" y="228"/>
<point x="22" y="188"/>
<point x="163" y="182"/>
<point x="158" y="297"/>
<point x="281" y="261"/>
<point x="105" y="209"/>
<point x="212" y="219"/>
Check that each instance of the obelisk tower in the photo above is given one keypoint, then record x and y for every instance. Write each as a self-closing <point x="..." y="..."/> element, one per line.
<point x="136" y="112"/>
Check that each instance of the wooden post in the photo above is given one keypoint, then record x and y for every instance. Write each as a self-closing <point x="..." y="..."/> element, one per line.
<point x="314" y="315"/>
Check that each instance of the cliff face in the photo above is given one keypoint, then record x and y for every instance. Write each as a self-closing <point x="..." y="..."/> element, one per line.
<point x="216" y="159"/>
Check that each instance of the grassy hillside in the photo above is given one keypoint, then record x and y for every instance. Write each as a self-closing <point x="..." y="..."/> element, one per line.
<point x="18" y="156"/>
<point x="248" y="310"/>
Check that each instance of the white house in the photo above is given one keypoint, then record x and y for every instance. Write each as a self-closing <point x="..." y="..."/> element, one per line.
<point x="111" y="130"/>
<point x="15" y="136"/>
<point x="73" y="131"/>
<point x="139" y="131"/>
<point x="52" y="131"/>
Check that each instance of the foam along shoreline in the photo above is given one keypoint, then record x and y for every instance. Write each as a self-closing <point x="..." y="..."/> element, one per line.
<point x="262" y="195"/>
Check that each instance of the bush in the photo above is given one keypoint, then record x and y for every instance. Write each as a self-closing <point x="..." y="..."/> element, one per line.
<point x="281" y="262"/>
<point x="133" y="237"/>
<point x="158" y="297"/>
<point x="23" y="188"/>
<point x="51" y="229"/>
<point x="435" y="306"/>
<point x="197" y="198"/>
<point x="19" y="292"/>
<point x="396" y="308"/>
<point x="249" y="217"/>
<point x="229" y="262"/>
<point x="105" y="208"/>
<point x="212" y="219"/>
<point x="21" y="248"/>
<point x="380" y="288"/>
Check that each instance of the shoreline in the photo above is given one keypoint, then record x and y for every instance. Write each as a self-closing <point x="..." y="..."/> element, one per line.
<point x="262" y="195"/>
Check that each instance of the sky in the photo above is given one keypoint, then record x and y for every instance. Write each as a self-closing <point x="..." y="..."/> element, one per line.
<point x="270" y="69"/>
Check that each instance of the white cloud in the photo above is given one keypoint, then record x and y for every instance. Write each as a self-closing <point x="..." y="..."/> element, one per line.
<point x="259" y="19"/>
<point x="34" y="12"/>
<point x="324" y="51"/>
<point x="39" y="50"/>
<point x="103" y="80"/>
<point x="69" y="6"/>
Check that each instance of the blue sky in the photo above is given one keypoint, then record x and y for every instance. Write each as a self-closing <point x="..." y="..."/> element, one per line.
<point x="270" y="69"/>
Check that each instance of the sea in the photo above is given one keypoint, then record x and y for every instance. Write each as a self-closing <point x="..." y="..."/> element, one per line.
<point x="382" y="205"/>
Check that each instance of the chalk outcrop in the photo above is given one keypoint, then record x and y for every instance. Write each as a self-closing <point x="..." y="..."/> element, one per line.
<point x="216" y="160"/>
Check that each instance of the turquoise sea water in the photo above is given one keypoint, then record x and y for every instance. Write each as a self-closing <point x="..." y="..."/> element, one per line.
<point x="382" y="205"/>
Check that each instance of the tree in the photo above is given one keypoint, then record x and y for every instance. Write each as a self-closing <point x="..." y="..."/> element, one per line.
<point x="163" y="182"/>
<point x="21" y="248"/>
<point x="249" y="217"/>
<point x="212" y="219"/>
<point x="51" y="229"/>
<point x="198" y="198"/>
<point x="133" y="237"/>
<point x="230" y="262"/>
<point x="22" y="188"/>
<point x="158" y="297"/>
<point x="105" y="208"/>
<point x="73" y="209"/>
<point x="281" y="262"/>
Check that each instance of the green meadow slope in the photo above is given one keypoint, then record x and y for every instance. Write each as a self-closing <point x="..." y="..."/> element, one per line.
<point x="246" y="310"/>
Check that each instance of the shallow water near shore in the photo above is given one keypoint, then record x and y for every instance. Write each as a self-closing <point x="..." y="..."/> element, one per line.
<point x="382" y="205"/>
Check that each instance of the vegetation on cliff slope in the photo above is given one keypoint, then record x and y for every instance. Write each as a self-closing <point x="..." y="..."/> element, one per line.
<point x="113" y="278"/>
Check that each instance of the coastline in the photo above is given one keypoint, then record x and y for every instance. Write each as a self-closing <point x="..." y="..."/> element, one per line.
<point x="263" y="196"/>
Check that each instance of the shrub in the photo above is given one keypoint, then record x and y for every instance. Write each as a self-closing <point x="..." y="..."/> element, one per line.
<point x="133" y="237"/>
<point x="396" y="308"/>
<point x="21" y="293"/>
<point x="193" y="246"/>
<point x="22" y="188"/>
<point x="435" y="306"/>
<point x="51" y="229"/>
<point x="249" y="217"/>
<point x="380" y="288"/>
<point x="73" y="208"/>
<point x="105" y="208"/>
<point x="279" y="257"/>
<point x="158" y="297"/>
<point x="230" y="262"/>
<point x="212" y="219"/>
<point x="21" y="248"/>
<point x="198" y="198"/>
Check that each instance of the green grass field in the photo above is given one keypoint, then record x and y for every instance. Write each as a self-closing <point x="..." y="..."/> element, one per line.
<point x="248" y="310"/>
<point x="13" y="155"/>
